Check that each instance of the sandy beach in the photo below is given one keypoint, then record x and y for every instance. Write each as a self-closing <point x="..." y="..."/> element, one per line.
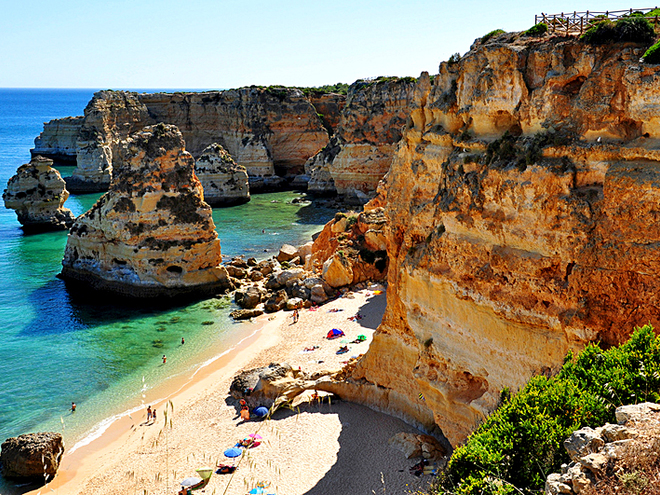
<point x="335" y="448"/>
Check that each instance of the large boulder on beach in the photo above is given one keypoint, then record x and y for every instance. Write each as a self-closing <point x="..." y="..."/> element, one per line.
<point x="37" y="194"/>
<point x="337" y="271"/>
<point x="276" y="302"/>
<point x="33" y="456"/>
<point x="248" y="298"/>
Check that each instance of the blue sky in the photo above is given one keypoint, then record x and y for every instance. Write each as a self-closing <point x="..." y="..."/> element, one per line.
<point x="208" y="44"/>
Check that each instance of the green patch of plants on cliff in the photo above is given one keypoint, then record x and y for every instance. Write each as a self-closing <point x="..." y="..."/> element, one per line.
<point x="537" y="30"/>
<point x="492" y="34"/>
<point x="652" y="55"/>
<point x="635" y="29"/>
<point x="522" y="441"/>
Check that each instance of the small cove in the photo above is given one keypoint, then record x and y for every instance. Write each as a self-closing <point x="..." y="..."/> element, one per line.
<point x="59" y="346"/>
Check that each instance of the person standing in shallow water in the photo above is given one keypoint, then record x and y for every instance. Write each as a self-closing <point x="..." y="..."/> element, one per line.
<point x="183" y="341"/>
<point x="164" y="359"/>
<point x="73" y="407"/>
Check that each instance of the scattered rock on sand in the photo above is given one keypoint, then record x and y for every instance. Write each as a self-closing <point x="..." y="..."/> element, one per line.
<point x="287" y="253"/>
<point x="245" y="314"/>
<point x="34" y="456"/>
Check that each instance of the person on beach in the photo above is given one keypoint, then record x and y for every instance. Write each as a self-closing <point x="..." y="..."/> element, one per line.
<point x="296" y="316"/>
<point x="73" y="407"/>
<point x="148" y="413"/>
<point x="164" y="359"/>
<point x="153" y="415"/>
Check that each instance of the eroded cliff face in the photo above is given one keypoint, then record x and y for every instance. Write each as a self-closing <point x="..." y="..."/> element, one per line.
<point x="59" y="139"/>
<point x="523" y="211"/>
<point x="109" y="118"/>
<point x="360" y="152"/>
<point x="37" y="193"/>
<point x="151" y="234"/>
<point x="271" y="132"/>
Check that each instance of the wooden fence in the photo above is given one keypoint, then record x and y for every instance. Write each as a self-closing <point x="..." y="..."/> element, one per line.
<point x="576" y="23"/>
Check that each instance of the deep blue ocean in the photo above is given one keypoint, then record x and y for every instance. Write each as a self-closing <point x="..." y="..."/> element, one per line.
<point x="56" y="348"/>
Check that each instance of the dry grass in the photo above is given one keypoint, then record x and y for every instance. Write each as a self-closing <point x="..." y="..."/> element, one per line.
<point x="637" y="471"/>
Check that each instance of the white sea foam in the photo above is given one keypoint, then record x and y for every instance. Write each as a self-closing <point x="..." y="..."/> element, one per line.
<point x="100" y="428"/>
<point x="223" y="353"/>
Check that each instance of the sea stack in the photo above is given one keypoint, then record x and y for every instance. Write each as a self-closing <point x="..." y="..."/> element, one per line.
<point x="37" y="192"/>
<point x="151" y="234"/>
<point x="225" y="182"/>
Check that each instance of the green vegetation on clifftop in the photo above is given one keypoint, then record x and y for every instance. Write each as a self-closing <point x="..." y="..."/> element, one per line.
<point x="522" y="441"/>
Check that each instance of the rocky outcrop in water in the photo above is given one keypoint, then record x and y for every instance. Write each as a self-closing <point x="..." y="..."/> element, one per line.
<point x="37" y="193"/>
<point x="152" y="234"/>
<point x="32" y="457"/>
<point x="59" y="139"/>
<point x="522" y="207"/>
<point x="224" y="181"/>
<point x="270" y="131"/>
<point x="360" y="152"/>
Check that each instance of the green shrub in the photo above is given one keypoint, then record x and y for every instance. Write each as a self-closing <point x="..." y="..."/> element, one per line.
<point x="652" y="55"/>
<point x="494" y="32"/>
<point x="522" y="441"/>
<point x="537" y="30"/>
<point x="627" y="29"/>
<point x="454" y="59"/>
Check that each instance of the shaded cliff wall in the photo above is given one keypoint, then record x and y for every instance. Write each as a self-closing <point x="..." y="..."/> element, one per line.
<point x="523" y="212"/>
<point x="360" y="152"/>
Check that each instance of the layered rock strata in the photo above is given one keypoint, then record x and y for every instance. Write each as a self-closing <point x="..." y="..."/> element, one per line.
<point x="152" y="234"/>
<point x="272" y="132"/>
<point x="522" y="205"/>
<point x="223" y="180"/>
<point x="59" y="139"/>
<point x="360" y="152"/>
<point x="109" y="118"/>
<point x="37" y="193"/>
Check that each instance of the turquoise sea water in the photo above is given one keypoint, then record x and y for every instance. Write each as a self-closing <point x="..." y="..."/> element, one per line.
<point x="57" y="346"/>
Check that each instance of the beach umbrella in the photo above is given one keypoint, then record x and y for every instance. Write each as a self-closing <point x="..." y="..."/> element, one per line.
<point x="260" y="412"/>
<point x="192" y="481"/>
<point x="233" y="452"/>
<point x="256" y="436"/>
<point x="257" y="489"/>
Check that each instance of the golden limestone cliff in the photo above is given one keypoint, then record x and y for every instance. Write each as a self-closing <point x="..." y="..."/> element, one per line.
<point x="271" y="132"/>
<point x="360" y="152"/>
<point x="523" y="206"/>
<point x="109" y="118"/>
<point x="152" y="233"/>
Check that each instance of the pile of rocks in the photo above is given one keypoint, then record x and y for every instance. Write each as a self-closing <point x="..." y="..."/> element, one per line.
<point x="277" y="283"/>
<point x="594" y="452"/>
